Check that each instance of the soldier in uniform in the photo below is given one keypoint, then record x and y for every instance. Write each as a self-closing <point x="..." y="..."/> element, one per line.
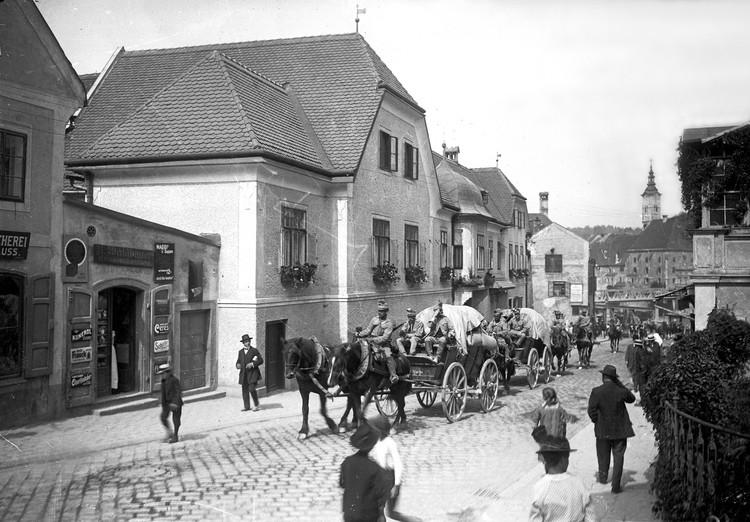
<point x="499" y="328"/>
<point x="519" y="328"/>
<point x="379" y="330"/>
<point x="412" y="331"/>
<point x="441" y="331"/>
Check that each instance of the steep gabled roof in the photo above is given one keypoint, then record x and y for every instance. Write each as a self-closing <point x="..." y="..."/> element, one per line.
<point x="538" y="221"/>
<point x="701" y="133"/>
<point x="607" y="248"/>
<point x="215" y="106"/>
<point x="502" y="191"/>
<point x="670" y="234"/>
<point x="338" y="81"/>
<point x="458" y="190"/>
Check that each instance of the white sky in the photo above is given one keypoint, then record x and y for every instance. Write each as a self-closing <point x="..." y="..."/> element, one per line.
<point x="577" y="96"/>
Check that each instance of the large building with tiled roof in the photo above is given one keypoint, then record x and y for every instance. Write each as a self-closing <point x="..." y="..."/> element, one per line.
<point x="662" y="255"/>
<point x="721" y="268"/>
<point x="303" y="151"/>
<point x="610" y="252"/>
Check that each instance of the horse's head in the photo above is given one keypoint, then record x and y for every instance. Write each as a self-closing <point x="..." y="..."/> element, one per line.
<point x="292" y="356"/>
<point x="345" y="359"/>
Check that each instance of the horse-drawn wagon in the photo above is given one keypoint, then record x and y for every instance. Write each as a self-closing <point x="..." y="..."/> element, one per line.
<point x="468" y="368"/>
<point x="534" y="355"/>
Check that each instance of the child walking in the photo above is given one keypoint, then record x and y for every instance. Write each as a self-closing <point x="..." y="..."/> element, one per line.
<point x="552" y="415"/>
<point x="386" y="455"/>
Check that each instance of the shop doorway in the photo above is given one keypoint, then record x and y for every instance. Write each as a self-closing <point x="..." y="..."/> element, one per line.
<point x="274" y="359"/>
<point x="193" y="344"/>
<point x="116" y="357"/>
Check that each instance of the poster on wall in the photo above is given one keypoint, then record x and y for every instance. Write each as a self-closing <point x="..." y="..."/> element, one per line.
<point x="163" y="262"/>
<point x="576" y="293"/>
<point x="80" y="355"/>
<point x="79" y="379"/>
<point x="75" y="259"/>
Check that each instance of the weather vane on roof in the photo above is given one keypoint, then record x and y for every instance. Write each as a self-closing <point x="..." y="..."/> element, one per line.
<point x="497" y="159"/>
<point x="359" y="12"/>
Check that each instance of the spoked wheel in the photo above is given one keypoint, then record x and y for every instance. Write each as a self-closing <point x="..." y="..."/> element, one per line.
<point x="489" y="383"/>
<point x="426" y="398"/>
<point x="532" y="371"/>
<point x="386" y="405"/>
<point x="454" y="392"/>
<point x="547" y="362"/>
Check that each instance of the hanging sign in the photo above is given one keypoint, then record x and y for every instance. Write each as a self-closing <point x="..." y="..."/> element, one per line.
<point x="163" y="262"/>
<point x="14" y="245"/>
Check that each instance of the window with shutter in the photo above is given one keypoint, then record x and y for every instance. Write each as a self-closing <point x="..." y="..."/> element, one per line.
<point x="553" y="263"/>
<point x="11" y="325"/>
<point x="388" y="152"/>
<point x="411" y="161"/>
<point x="411" y="245"/>
<point x="381" y="242"/>
<point x="41" y="324"/>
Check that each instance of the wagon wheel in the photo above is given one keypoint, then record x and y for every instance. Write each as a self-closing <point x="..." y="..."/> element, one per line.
<point x="547" y="362"/>
<point x="532" y="371"/>
<point x="386" y="405"/>
<point x="454" y="392"/>
<point x="489" y="383"/>
<point x="426" y="398"/>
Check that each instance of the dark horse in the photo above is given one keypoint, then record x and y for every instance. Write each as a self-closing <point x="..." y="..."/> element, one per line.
<point x="347" y="372"/>
<point x="614" y="338"/>
<point x="312" y="366"/>
<point x="560" y="348"/>
<point x="584" y="343"/>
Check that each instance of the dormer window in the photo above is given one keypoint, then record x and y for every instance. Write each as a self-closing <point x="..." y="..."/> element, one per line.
<point x="388" y="152"/>
<point x="485" y="198"/>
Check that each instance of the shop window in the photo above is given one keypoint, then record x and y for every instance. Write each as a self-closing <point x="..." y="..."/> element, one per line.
<point x="381" y="242"/>
<point x="411" y="245"/>
<point x="11" y="321"/>
<point x="12" y="166"/>
<point x="558" y="289"/>
<point x="443" y="248"/>
<point x="293" y="236"/>
<point x="388" y="152"/>
<point x="553" y="263"/>
<point x="411" y="161"/>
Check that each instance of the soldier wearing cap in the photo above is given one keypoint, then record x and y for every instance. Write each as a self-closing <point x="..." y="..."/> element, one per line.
<point x="498" y="328"/>
<point x="612" y="426"/>
<point x="412" y="331"/>
<point x="519" y="327"/>
<point x="171" y="401"/>
<point x="379" y="330"/>
<point x="441" y="330"/>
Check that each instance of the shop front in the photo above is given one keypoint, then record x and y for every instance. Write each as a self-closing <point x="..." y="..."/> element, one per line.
<point x="139" y="294"/>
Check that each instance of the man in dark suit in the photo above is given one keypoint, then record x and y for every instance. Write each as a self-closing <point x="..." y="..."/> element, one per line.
<point x="365" y="484"/>
<point x="248" y="363"/>
<point x="612" y="425"/>
<point x="171" y="401"/>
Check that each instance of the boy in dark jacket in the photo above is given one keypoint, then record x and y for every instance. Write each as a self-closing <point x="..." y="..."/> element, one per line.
<point x="364" y="482"/>
<point x="171" y="401"/>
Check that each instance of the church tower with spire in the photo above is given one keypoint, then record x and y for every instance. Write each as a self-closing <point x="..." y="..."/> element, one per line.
<point x="651" y="199"/>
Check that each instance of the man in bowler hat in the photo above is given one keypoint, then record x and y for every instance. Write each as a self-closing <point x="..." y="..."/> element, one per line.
<point x="171" y="401"/>
<point x="364" y="481"/>
<point x="248" y="363"/>
<point x="612" y="425"/>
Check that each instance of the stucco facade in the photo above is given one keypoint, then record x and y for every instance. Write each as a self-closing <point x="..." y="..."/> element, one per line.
<point x="559" y="267"/>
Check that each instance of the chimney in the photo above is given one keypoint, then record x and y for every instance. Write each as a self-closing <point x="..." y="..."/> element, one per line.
<point x="451" y="152"/>
<point x="663" y="218"/>
<point x="544" y="203"/>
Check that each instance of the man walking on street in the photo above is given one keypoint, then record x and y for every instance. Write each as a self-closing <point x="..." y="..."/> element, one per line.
<point x="612" y="425"/>
<point x="248" y="363"/>
<point x="171" y="401"/>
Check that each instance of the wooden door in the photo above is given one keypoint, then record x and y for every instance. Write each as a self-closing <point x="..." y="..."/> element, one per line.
<point x="81" y="356"/>
<point x="193" y="344"/>
<point x="274" y="359"/>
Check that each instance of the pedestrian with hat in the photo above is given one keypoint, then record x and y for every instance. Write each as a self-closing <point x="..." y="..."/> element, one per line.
<point x="171" y="401"/>
<point x="248" y="363"/>
<point x="559" y="496"/>
<point x="379" y="331"/>
<point x="364" y="481"/>
<point x="411" y="332"/>
<point x="612" y="426"/>
<point x="647" y="358"/>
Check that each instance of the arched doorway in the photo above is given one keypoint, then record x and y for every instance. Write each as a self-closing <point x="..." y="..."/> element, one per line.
<point x="117" y="359"/>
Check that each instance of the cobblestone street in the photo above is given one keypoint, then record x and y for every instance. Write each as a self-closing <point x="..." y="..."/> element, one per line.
<point x="250" y="466"/>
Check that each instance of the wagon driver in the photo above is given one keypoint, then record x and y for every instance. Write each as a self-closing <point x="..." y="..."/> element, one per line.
<point x="379" y="330"/>
<point x="560" y="323"/>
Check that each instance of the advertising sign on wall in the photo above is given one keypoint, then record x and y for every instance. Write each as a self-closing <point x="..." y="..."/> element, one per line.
<point x="82" y="378"/>
<point x="163" y="262"/>
<point x="75" y="257"/>
<point x="14" y="245"/>
<point x="80" y="355"/>
<point x="161" y="346"/>
<point x="80" y="334"/>
<point x="576" y="293"/>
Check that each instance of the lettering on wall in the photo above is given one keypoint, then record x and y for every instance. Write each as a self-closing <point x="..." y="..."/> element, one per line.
<point x="14" y="245"/>
<point x="125" y="256"/>
<point x="163" y="262"/>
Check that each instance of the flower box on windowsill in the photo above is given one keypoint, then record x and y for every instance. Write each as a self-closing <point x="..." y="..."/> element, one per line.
<point x="446" y="274"/>
<point x="297" y="277"/>
<point x="385" y="275"/>
<point x="415" y="275"/>
<point x="519" y="272"/>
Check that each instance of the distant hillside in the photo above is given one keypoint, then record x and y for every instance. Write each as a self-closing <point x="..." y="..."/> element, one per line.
<point x="589" y="232"/>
